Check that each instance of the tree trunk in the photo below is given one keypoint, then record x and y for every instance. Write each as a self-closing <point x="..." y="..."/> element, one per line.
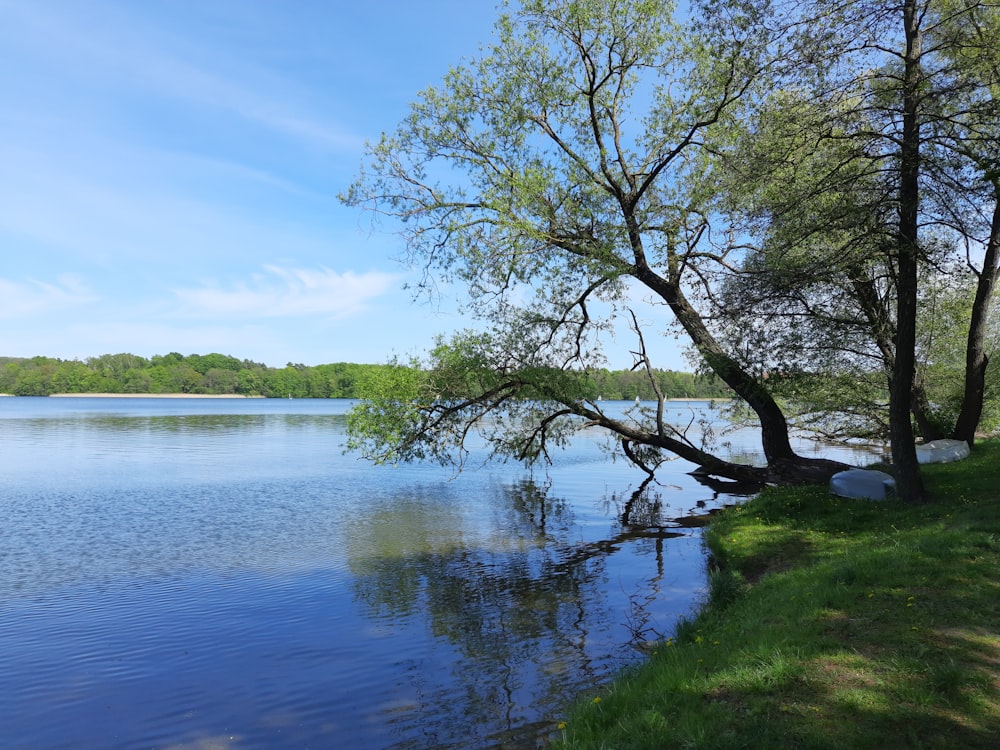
<point x="884" y="335"/>
<point x="921" y="408"/>
<point x="784" y="466"/>
<point x="909" y="484"/>
<point x="975" y="353"/>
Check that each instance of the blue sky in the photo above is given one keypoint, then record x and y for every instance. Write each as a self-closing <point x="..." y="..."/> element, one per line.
<point x="169" y="172"/>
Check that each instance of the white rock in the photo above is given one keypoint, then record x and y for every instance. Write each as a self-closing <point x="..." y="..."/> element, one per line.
<point x="863" y="483"/>
<point x="942" y="451"/>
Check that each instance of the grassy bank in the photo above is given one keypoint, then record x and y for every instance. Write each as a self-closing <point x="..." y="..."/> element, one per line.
<point x="831" y="623"/>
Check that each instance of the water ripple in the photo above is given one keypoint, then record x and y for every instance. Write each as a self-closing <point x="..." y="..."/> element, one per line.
<point x="229" y="579"/>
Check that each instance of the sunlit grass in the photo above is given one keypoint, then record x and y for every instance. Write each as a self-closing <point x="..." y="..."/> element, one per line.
<point x="831" y="623"/>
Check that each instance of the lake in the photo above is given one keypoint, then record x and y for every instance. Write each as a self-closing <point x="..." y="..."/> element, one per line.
<point x="206" y="573"/>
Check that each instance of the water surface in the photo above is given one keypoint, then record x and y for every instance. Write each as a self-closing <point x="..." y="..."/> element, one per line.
<point x="217" y="574"/>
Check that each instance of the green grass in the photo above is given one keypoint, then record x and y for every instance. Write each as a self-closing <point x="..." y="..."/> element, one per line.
<point x="830" y="623"/>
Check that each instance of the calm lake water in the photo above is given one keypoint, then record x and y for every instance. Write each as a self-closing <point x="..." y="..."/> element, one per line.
<point x="206" y="573"/>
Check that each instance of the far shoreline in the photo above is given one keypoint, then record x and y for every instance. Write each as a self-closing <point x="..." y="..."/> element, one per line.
<point x="151" y="395"/>
<point x="677" y="399"/>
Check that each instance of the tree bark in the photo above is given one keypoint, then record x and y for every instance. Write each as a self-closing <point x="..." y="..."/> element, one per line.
<point x="909" y="484"/>
<point x="784" y="466"/>
<point x="976" y="359"/>
<point x="884" y="335"/>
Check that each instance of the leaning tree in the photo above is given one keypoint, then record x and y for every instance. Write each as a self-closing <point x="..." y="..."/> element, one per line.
<point x="868" y="180"/>
<point x="565" y="177"/>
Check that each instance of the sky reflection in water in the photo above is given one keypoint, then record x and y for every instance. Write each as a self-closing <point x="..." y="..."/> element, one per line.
<point x="218" y="573"/>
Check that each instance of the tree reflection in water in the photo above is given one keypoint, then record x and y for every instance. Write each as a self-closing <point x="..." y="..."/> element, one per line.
<point x="521" y="600"/>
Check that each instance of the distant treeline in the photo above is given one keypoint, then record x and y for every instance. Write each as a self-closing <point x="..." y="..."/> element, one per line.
<point x="220" y="374"/>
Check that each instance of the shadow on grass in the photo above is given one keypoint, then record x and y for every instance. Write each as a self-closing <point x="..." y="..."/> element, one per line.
<point x="832" y="623"/>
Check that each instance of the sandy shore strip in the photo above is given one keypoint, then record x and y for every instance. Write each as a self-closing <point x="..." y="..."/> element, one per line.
<point x="151" y="395"/>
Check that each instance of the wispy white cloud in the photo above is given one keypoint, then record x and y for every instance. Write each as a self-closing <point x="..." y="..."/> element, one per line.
<point x="129" y="52"/>
<point x="121" y="205"/>
<point x="288" y="292"/>
<point x="21" y="299"/>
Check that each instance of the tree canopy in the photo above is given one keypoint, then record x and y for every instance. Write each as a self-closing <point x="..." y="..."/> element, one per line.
<point x="214" y="374"/>
<point x="219" y="374"/>
<point x="763" y="171"/>
<point x="870" y="188"/>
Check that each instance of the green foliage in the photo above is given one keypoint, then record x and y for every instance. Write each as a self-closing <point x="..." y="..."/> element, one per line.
<point x="393" y="399"/>
<point x="220" y="374"/>
<point x="822" y="172"/>
<point x="947" y="301"/>
<point x="463" y="397"/>
<point x="830" y="623"/>
<point x="631" y="384"/>
<point x="176" y="373"/>
<point x="564" y="178"/>
<point x="836" y="404"/>
<point x="843" y="398"/>
<point x="474" y="391"/>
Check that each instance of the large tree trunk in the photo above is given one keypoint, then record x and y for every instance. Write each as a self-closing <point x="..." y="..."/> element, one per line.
<point x="884" y="335"/>
<point x="787" y="469"/>
<point x="784" y="466"/>
<point x="904" y="455"/>
<point x="975" y="354"/>
<point x="920" y="405"/>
